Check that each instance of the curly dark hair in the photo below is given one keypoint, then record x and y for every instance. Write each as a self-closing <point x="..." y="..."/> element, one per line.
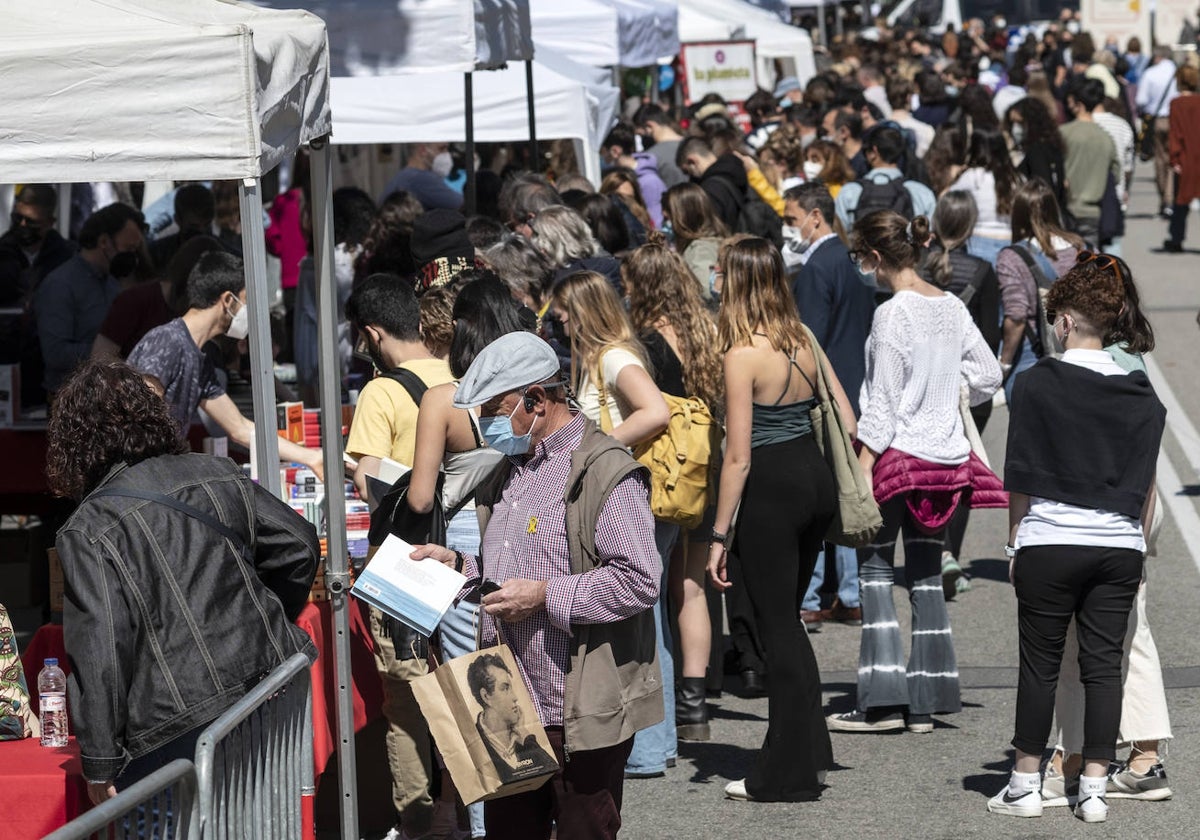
<point x="1041" y="127"/>
<point x="1093" y="289"/>
<point x="105" y="414"/>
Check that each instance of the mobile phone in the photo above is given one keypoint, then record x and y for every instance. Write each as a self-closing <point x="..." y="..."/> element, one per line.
<point x="488" y="587"/>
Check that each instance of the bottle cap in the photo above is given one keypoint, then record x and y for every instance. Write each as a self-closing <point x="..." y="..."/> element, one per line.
<point x="51" y="661"/>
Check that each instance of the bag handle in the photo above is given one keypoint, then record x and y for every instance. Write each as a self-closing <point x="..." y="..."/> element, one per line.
<point x="606" y="424"/>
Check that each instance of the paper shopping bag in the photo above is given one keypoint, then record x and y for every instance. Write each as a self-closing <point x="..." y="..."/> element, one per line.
<point x="485" y="725"/>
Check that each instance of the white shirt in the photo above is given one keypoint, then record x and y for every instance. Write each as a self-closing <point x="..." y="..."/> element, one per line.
<point x="981" y="184"/>
<point x="877" y="96"/>
<point x="1150" y="88"/>
<point x="611" y="364"/>
<point x="920" y="351"/>
<point x="1057" y="523"/>
<point x="1122" y="134"/>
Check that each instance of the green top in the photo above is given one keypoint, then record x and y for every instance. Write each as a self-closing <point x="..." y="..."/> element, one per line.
<point x="1088" y="145"/>
<point x="1129" y="361"/>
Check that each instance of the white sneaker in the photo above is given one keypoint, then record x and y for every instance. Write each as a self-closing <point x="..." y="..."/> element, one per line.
<point x="1092" y="807"/>
<point x="1056" y="792"/>
<point x="737" y="790"/>
<point x="1025" y="802"/>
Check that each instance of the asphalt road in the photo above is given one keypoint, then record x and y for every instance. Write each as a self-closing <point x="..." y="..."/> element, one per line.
<point x="936" y="785"/>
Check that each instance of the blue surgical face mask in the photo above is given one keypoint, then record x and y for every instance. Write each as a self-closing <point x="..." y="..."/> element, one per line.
<point x="952" y="90"/>
<point x="668" y="231"/>
<point x="498" y="433"/>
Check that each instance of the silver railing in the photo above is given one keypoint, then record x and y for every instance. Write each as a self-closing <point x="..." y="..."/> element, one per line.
<point x="254" y="764"/>
<point x="161" y="806"/>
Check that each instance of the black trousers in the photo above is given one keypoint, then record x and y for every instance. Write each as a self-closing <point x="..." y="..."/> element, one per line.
<point x="789" y="500"/>
<point x="1097" y="586"/>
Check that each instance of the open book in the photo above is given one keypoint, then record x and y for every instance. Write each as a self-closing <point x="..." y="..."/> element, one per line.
<point x="416" y="592"/>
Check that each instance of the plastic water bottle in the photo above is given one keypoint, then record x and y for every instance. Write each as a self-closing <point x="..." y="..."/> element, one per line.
<point x="52" y="703"/>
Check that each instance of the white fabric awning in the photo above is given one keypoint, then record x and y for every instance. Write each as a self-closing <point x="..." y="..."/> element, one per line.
<point x="648" y="31"/>
<point x="586" y="30"/>
<point x="380" y="37"/>
<point x="773" y="38"/>
<point x="115" y="90"/>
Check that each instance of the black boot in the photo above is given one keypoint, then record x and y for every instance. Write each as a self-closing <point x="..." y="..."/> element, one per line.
<point x="691" y="712"/>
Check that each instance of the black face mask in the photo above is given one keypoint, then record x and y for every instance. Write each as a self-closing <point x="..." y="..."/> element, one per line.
<point x="123" y="264"/>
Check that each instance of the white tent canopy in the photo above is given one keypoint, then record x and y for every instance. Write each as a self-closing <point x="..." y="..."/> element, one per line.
<point x="109" y="91"/>
<point x="586" y="30"/>
<point x="774" y="39"/>
<point x="695" y="25"/>
<point x="381" y="37"/>
<point x="649" y="30"/>
<point x="369" y="109"/>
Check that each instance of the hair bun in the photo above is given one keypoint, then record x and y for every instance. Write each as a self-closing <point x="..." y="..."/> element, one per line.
<point x="918" y="232"/>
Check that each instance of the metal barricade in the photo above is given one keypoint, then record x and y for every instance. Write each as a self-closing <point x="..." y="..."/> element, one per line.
<point x="254" y="763"/>
<point x="161" y="806"/>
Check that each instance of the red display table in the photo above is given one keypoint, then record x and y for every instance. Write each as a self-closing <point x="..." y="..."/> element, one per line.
<point x="314" y="620"/>
<point x="41" y="789"/>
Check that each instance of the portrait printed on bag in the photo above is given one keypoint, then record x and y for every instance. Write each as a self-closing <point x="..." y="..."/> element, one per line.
<point x="510" y="741"/>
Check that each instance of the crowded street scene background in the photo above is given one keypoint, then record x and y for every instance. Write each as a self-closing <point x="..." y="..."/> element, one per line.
<point x="801" y="443"/>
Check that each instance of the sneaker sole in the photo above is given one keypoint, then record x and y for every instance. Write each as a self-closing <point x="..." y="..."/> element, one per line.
<point x="693" y="731"/>
<point x="1156" y="795"/>
<point x="842" y="726"/>
<point x="1059" y="801"/>
<point x="1094" y="817"/>
<point x="920" y="728"/>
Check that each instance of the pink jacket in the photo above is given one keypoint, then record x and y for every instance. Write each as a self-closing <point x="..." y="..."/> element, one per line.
<point x="933" y="491"/>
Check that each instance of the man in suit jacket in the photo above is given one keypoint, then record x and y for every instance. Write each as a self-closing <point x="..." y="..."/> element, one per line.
<point x="837" y="304"/>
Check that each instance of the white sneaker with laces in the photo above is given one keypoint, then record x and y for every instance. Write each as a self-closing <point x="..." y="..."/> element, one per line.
<point x="1092" y="807"/>
<point x="1021" y="797"/>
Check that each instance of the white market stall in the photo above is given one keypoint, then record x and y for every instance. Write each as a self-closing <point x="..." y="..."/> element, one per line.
<point x="587" y="30"/>
<point x="126" y="90"/>
<point x="648" y="30"/>
<point x="369" y="111"/>
<point x="774" y="39"/>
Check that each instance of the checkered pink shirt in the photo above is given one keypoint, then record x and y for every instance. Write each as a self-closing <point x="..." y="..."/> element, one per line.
<point x="527" y="538"/>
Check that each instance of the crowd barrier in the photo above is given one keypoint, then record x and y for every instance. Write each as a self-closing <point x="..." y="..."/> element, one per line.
<point x="162" y="805"/>
<point x="252" y="778"/>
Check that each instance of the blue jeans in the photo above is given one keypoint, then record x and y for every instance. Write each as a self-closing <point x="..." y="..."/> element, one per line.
<point x="653" y="747"/>
<point x="457" y="628"/>
<point x="846" y="560"/>
<point x="1022" y="361"/>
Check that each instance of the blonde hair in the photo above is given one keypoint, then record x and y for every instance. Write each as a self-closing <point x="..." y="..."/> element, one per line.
<point x="755" y="297"/>
<point x="598" y="323"/>
<point x="661" y="289"/>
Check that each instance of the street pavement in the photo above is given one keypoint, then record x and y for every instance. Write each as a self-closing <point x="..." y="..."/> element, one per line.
<point x="937" y="785"/>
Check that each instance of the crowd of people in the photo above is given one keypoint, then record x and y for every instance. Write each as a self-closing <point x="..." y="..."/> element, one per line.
<point x="923" y="225"/>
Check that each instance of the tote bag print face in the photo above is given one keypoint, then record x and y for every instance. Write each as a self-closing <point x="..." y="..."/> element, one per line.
<point x="485" y="725"/>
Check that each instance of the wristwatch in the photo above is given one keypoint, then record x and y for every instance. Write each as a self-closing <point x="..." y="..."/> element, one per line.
<point x="1010" y="552"/>
<point x="717" y="537"/>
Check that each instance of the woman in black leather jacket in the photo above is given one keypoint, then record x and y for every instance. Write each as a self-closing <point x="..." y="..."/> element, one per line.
<point x="182" y="577"/>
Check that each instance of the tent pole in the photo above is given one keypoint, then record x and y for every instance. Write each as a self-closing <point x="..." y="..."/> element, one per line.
<point x="64" y="211"/>
<point x="336" y="572"/>
<point x="534" y="157"/>
<point x="824" y="26"/>
<point x="469" y="163"/>
<point x="262" y="368"/>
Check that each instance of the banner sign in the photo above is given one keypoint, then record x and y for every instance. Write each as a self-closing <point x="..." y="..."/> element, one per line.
<point x="725" y="68"/>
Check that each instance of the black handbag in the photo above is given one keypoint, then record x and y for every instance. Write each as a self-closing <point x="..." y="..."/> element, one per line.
<point x="1145" y="137"/>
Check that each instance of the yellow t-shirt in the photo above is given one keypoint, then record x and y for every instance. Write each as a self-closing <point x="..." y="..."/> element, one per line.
<point x="385" y="419"/>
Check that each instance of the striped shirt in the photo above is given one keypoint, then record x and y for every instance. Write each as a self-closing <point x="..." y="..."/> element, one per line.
<point x="526" y="538"/>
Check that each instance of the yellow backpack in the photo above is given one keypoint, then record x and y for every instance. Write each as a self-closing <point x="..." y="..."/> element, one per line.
<point x="681" y="459"/>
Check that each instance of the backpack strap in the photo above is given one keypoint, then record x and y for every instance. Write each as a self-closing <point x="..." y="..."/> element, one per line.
<point x="184" y="508"/>
<point x="1034" y="334"/>
<point x="411" y="383"/>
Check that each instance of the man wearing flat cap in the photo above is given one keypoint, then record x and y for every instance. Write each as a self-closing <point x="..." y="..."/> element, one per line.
<point x="568" y="535"/>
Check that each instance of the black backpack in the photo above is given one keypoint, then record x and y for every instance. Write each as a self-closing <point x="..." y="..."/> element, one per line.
<point x="758" y="219"/>
<point x="891" y="195"/>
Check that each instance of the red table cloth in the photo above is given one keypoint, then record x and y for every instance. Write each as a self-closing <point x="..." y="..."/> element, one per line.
<point x="41" y="789"/>
<point x="315" y="620"/>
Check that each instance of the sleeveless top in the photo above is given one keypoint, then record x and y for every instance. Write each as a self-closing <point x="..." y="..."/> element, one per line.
<point x="465" y="470"/>
<point x="777" y="423"/>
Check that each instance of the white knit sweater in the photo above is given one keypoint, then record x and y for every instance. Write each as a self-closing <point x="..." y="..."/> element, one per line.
<point x="920" y="351"/>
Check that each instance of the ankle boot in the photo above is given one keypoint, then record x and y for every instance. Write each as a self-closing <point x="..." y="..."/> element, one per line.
<point x="691" y="712"/>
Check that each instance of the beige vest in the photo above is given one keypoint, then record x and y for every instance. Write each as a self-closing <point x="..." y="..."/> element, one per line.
<point x="613" y="681"/>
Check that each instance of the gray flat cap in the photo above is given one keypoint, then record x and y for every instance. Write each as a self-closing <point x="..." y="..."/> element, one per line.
<point x="512" y="361"/>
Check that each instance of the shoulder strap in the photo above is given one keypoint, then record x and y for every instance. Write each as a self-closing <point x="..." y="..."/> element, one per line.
<point x="606" y="424"/>
<point x="797" y="366"/>
<point x="1163" y="98"/>
<point x="411" y="383"/>
<point x="1031" y="262"/>
<point x="479" y="444"/>
<point x="184" y="508"/>
<point x="975" y="283"/>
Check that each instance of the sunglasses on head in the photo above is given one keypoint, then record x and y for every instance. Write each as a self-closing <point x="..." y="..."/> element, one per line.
<point x="1103" y="261"/>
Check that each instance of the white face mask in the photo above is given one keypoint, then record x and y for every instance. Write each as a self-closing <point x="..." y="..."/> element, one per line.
<point x="239" y="327"/>
<point x="442" y="164"/>
<point x="812" y="170"/>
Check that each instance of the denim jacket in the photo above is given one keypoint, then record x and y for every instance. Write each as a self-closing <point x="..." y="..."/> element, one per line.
<point x="166" y="625"/>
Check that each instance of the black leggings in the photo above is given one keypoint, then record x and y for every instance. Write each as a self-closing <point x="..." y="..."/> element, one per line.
<point x="1096" y="586"/>
<point x="786" y="509"/>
